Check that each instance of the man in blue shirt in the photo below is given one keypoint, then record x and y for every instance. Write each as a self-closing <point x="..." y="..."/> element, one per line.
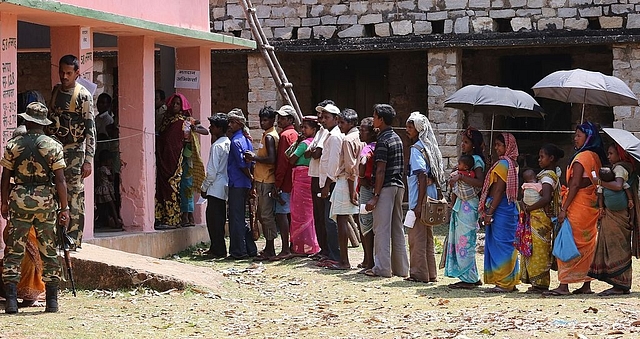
<point x="241" y="244"/>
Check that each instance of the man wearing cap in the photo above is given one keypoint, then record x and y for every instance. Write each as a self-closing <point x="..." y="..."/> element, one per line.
<point x="36" y="164"/>
<point x="264" y="179"/>
<point x="241" y="244"/>
<point x="284" y="184"/>
<point x="329" y="165"/>
<point x="71" y="110"/>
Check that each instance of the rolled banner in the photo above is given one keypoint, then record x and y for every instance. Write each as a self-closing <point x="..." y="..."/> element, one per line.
<point x="410" y="219"/>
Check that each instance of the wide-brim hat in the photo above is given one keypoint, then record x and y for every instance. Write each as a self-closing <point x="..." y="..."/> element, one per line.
<point x="36" y="113"/>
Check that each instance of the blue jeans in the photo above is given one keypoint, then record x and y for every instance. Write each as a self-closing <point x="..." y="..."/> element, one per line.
<point x="241" y="242"/>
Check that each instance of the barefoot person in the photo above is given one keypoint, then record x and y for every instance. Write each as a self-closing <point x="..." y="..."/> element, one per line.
<point x="344" y="199"/>
<point x="461" y="249"/>
<point x="500" y="217"/>
<point x="617" y="199"/>
<point x="579" y="205"/>
<point x="424" y="175"/>
<point x="536" y="268"/>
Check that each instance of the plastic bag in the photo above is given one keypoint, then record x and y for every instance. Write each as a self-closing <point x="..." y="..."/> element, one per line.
<point x="564" y="246"/>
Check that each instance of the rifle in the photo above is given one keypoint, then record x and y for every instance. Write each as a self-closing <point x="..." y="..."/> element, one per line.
<point x="65" y="243"/>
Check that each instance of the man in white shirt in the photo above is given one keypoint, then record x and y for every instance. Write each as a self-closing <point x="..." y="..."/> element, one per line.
<point x="329" y="166"/>
<point x="216" y="185"/>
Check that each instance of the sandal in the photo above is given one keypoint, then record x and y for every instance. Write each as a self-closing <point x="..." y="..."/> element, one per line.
<point x="370" y="273"/>
<point x="555" y="293"/>
<point x="499" y="290"/>
<point x="326" y="263"/>
<point x="462" y="285"/>
<point x="336" y="267"/>
<point x="412" y="279"/>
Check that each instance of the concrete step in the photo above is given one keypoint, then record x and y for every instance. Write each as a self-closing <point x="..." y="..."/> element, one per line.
<point x="96" y="267"/>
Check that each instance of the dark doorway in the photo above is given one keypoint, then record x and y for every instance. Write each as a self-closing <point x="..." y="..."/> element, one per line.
<point x="351" y="81"/>
<point x="521" y="72"/>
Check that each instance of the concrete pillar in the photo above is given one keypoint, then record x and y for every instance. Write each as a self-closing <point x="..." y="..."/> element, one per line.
<point x="198" y="59"/>
<point x="136" y="105"/>
<point x="8" y="59"/>
<point x="626" y="66"/>
<point x="67" y="40"/>
<point x="444" y="77"/>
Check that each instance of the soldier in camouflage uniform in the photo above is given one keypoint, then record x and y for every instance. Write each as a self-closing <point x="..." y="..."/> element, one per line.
<point x="32" y="161"/>
<point x="71" y="110"/>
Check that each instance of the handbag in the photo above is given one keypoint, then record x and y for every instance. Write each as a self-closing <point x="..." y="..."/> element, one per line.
<point x="564" y="246"/>
<point x="434" y="211"/>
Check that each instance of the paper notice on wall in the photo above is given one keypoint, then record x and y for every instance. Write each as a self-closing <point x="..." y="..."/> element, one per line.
<point x="85" y="38"/>
<point x="187" y="79"/>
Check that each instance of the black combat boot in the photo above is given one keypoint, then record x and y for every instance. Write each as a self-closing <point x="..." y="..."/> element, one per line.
<point x="52" y="298"/>
<point x="11" y="304"/>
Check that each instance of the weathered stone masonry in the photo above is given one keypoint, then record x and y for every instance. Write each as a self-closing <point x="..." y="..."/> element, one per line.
<point x="442" y="29"/>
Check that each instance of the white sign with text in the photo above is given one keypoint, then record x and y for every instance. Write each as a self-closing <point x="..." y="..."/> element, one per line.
<point x="187" y="79"/>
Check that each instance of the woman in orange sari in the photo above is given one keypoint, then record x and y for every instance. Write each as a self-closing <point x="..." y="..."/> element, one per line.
<point x="580" y="206"/>
<point x="31" y="286"/>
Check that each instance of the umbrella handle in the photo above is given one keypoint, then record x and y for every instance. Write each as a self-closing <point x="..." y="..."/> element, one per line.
<point x="582" y="115"/>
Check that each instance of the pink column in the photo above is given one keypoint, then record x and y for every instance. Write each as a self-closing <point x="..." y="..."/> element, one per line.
<point x="8" y="60"/>
<point x="137" y="134"/>
<point x="66" y="40"/>
<point x="198" y="59"/>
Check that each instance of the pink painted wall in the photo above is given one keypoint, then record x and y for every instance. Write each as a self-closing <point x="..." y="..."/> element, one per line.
<point x="137" y="137"/>
<point x="199" y="59"/>
<point x="193" y="14"/>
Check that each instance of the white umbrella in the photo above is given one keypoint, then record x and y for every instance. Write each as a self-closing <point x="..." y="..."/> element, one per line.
<point x="626" y="140"/>
<point x="585" y="87"/>
<point x="495" y="100"/>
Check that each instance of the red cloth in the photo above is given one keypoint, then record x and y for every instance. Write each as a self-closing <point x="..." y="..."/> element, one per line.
<point x="283" y="168"/>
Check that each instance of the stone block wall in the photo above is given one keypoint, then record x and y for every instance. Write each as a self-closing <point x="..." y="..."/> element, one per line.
<point x="229" y="82"/>
<point x="444" y="77"/>
<point x="325" y="19"/>
<point x="262" y="89"/>
<point x="626" y="66"/>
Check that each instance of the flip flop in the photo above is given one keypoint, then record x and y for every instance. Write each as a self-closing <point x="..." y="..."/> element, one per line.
<point x="326" y="263"/>
<point x="370" y="273"/>
<point x="578" y="291"/>
<point x="610" y="292"/>
<point x="412" y="279"/>
<point x="280" y="257"/>
<point x="555" y="293"/>
<point x="337" y="268"/>
<point x="499" y="290"/>
<point x="461" y="285"/>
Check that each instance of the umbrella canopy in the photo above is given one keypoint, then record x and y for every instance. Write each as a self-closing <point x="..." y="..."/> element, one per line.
<point x="585" y="87"/>
<point x="626" y="140"/>
<point x="495" y="100"/>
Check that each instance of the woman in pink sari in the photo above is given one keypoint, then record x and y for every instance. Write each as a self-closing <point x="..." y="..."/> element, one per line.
<point x="303" y="232"/>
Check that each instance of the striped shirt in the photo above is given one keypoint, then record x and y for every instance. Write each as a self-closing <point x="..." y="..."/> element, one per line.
<point x="389" y="149"/>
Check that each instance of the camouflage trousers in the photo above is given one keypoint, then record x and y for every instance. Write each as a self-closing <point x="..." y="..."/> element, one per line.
<point x="74" y="158"/>
<point x="16" y="242"/>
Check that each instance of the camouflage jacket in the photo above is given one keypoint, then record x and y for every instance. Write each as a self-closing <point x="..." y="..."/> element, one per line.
<point x="34" y="191"/>
<point x="73" y="120"/>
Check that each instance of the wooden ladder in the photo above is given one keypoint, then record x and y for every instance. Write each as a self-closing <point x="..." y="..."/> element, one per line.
<point x="284" y="86"/>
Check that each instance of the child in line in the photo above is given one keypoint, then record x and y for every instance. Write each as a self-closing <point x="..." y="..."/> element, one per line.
<point x="105" y="194"/>
<point x="613" y="200"/>
<point x="531" y="188"/>
<point x="460" y="188"/>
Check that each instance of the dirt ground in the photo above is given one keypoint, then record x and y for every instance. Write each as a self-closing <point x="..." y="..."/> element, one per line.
<point x="294" y="298"/>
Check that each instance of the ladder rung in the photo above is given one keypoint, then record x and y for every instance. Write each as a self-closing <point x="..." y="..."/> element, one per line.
<point x="251" y="10"/>
<point x="287" y="85"/>
<point x="268" y="47"/>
